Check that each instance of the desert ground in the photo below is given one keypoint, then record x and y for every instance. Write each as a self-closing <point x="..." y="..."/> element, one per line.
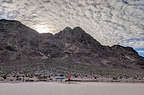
<point x="55" y="88"/>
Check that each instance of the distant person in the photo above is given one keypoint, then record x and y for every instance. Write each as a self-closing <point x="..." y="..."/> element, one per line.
<point x="69" y="78"/>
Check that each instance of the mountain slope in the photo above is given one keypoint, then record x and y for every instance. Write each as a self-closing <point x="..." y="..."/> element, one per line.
<point x="18" y="43"/>
<point x="77" y="46"/>
<point x="71" y="50"/>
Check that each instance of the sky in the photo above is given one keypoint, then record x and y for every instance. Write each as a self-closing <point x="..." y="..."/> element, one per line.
<point x="110" y="22"/>
<point x="140" y="51"/>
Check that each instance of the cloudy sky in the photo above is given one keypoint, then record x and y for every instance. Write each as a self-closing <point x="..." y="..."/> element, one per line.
<point x="109" y="21"/>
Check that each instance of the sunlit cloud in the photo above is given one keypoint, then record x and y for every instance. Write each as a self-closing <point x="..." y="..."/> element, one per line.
<point x="43" y="29"/>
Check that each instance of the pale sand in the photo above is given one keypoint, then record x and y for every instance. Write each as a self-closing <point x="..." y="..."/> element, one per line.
<point x="52" y="88"/>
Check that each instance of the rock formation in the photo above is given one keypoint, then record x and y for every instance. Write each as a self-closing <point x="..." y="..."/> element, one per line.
<point x="22" y="49"/>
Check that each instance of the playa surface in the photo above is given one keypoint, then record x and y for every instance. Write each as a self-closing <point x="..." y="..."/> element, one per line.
<point x="53" y="88"/>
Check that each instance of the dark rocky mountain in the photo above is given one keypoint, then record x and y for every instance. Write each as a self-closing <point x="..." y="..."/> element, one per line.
<point x="71" y="51"/>
<point x="18" y="43"/>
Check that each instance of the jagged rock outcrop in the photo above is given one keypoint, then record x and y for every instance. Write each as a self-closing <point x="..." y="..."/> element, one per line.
<point x="25" y="48"/>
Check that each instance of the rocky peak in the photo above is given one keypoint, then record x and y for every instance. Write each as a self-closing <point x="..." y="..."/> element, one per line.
<point x="77" y="35"/>
<point x="78" y="29"/>
<point x="67" y="29"/>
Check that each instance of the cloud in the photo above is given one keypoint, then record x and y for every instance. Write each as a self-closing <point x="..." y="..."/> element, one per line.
<point x="109" y="21"/>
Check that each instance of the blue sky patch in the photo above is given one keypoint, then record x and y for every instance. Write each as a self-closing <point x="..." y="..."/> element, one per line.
<point x="140" y="51"/>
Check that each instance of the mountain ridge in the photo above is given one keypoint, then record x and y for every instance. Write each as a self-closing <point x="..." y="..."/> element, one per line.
<point x="71" y="50"/>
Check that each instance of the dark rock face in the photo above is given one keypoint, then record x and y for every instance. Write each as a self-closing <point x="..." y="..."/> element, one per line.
<point x="20" y="45"/>
<point x="77" y="36"/>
